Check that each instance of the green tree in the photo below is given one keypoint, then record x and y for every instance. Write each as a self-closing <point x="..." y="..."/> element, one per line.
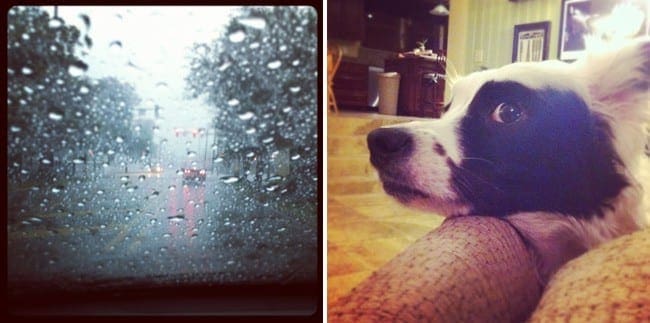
<point x="56" y="114"/>
<point x="261" y="77"/>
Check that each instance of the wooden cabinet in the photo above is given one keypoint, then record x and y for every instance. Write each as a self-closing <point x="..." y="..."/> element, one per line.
<point x="351" y="85"/>
<point x="421" y="88"/>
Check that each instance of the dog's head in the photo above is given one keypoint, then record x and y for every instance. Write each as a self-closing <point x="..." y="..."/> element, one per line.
<point x="547" y="136"/>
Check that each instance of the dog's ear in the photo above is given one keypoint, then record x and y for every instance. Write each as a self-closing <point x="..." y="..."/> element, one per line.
<point x="618" y="80"/>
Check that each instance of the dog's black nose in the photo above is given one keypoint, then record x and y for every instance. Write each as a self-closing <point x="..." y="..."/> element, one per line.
<point x="388" y="144"/>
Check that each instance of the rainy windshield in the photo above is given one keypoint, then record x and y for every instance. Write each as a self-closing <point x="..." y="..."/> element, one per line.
<point x="165" y="145"/>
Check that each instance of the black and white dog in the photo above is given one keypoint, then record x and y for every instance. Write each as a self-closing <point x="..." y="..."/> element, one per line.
<point x="551" y="147"/>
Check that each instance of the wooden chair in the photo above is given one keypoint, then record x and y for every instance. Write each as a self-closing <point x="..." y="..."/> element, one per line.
<point x="334" y="54"/>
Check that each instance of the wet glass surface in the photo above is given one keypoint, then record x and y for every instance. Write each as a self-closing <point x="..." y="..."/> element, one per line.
<point x="170" y="145"/>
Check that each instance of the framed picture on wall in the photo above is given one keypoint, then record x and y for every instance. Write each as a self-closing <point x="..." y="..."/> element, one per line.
<point x="530" y="42"/>
<point x="594" y="23"/>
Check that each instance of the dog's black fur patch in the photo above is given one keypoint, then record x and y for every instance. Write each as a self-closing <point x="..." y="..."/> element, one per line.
<point x="557" y="158"/>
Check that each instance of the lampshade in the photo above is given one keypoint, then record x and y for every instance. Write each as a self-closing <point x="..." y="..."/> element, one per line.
<point x="439" y="10"/>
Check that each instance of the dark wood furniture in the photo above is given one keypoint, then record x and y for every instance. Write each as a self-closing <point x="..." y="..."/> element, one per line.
<point x="351" y="85"/>
<point x="421" y="88"/>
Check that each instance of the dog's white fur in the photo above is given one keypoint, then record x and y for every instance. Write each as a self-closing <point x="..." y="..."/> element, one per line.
<point x="609" y="83"/>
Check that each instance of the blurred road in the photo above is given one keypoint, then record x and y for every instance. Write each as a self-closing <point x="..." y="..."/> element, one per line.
<point x="151" y="226"/>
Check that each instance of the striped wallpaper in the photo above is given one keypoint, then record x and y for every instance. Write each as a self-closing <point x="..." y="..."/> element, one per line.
<point x="490" y="28"/>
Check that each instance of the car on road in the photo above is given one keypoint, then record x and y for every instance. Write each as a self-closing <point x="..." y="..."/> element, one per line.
<point x="194" y="174"/>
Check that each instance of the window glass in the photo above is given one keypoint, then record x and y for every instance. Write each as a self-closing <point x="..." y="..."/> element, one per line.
<point x="164" y="145"/>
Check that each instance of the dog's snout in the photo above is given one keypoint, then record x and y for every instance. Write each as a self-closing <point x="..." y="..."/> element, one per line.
<point x="387" y="144"/>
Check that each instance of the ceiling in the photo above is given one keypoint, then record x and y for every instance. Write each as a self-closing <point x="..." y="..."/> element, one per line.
<point x="406" y="8"/>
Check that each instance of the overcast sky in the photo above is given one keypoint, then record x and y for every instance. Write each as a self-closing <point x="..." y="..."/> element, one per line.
<point x="155" y="43"/>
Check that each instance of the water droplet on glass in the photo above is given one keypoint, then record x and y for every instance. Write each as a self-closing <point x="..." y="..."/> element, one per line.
<point x="191" y="154"/>
<point x="167" y="235"/>
<point x="251" y="131"/>
<point x="176" y="218"/>
<point x="152" y="221"/>
<point x="57" y="189"/>
<point x="171" y="187"/>
<point x="274" y="64"/>
<point x="224" y="66"/>
<point x="46" y="161"/>
<point x="294" y="89"/>
<point x="84" y="90"/>
<point x="28" y="89"/>
<point x="246" y="115"/>
<point x="237" y="36"/>
<point x="76" y="70"/>
<point x="27" y="71"/>
<point x="141" y="178"/>
<point x="55" y="23"/>
<point x="250" y="154"/>
<point x="55" y="116"/>
<point x="100" y="192"/>
<point x="78" y="161"/>
<point x="233" y="102"/>
<point x="267" y="140"/>
<point x="154" y="194"/>
<point x="115" y="46"/>
<point x="282" y="229"/>
<point x="286" y="110"/>
<point x="230" y="179"/>
<point x="295" y="62"/>
<point x="295" y="157"/>
<point x="119" y="139"/>
<point x="253" y="22"/>
<point x="15" y="128"/>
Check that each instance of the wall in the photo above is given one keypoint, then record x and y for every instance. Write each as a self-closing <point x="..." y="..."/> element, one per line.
<point x="489" y="27"/>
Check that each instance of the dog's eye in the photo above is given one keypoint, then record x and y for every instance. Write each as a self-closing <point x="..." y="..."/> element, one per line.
<point x="507" y="113"/>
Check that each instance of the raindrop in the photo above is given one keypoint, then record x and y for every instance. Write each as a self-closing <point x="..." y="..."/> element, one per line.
<point x="224" y="66"/>
<point x="286" y="110"/>
<point x="152" y="221"/>
<point x="154" y="194"/>
<point x="119" y="139"/>
<point x="162" y="86"/>
<point x="100" y="192"/>
<point x="295" y="157"/>
<point x="294" y="89"/>
<point x="295" y="62"/>
<point x="15" y="128"/>
<point x="253" y="22"/>
<point x="271" y="188"/>
<point x="57" y="189"/>
<point x="230" y="179"/>
<point x="172" y="187"/>
<point x="233" y="102"/>
<point x="246" y="115"/>
<point x="27" y="71"/>
<point x="237" y="36"/>
<point x="176" y="218"/>
<point x="115" y="46"/>
<point x="28" y="89"/>
<point x="250" y="131"/>
<point x="78" y="161"/>
<point x="55" y="116"/>
<point x="267" y="140"/>
<point x="141" y="178"/>
<point x="55" y="23"/>
<point x="274" y="64"/>
<point x="254" y="45"/>
<point x="191" y="154"/>
<point x="46" y="161"/>
<point x="124" y="178"/>
<point x="35" y="220"/>
<point x="282" y="229"/>
<point x="250" y="154"/>
<point x="167" y="235"/>
<point x="25" y="36"/>
<point x="218" y="160"/>
<point x="84" y="90"/>
<point x="77" y="69"/>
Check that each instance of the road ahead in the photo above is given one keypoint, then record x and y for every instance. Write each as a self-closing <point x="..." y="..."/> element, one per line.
<point x="141" y="226"/>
